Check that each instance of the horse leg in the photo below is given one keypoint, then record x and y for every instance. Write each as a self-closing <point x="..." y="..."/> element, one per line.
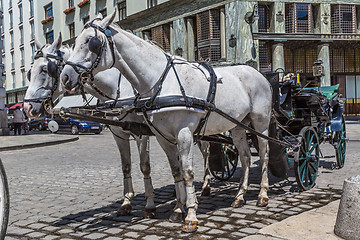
<point x="263" y="198"/>
<point x="171" y="153"/>
<point x="143" y="147"/>
<point x="122" y="141"/>
<point x="204" y="148"/>
<point x="185" y="148"/>
<point x="240" y="141"/>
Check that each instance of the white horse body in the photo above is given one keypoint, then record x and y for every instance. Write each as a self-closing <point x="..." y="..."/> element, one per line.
<point x="39" y="86"/>
<point x="244" y="94"/>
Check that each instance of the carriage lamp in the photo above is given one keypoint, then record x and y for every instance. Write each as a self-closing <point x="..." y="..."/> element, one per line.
<point x="251" y="17"/>
<point x="318" y="69"/>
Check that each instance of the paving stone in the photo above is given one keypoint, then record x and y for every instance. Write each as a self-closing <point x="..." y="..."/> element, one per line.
<point x="258" y="225"/>
<point x="65" y="231"/>
<point x="244" y="211"/>
<point x="95" y="236"/>
<point x="202" y="229"/>
<point x="290" y="213"/>
<point x="239" y="234"/>
<point x="131" y="234"/>
<point x="215" y="231"/>
<point x="244" y="222"/>
<point x="113" y="238"/>
<point x="219" y="219"/>
<point x="35" y="235"/>
<point x="264" y="213"/>
<point x="138" y="227"/>
<point x="49" y="237"/>
<point x="249" y="230"/>
<point x="18" y="231"/>
<point x="237" y="215"/>
<point x="295" y="209"/>
<point x="113" y="231"/>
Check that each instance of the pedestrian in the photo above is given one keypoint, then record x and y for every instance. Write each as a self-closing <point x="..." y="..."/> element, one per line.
<point x="26" y="124"/>
<point x="18" y="120"/>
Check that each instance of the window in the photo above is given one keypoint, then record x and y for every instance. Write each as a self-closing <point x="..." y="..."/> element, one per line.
<point x="31" y="3"/>
<point x="299" y="18"/>
<point x="32" y="29"/>
<point x="86" y="19"/>
<point x="152" y="3"/>
<point x="343" y="18"/>
<point x="23" y="77"/>
<point x="11" y="40"/>
<point x="72" y="30"/>
<point x="20" y="13"/>
<point x="71" y="3"/>
<point x="12" y="61"/>
<point x="264" y="57"/>
<point x="48" y="11"/>
<point x="33" y="50"/>
<point x="264" y="18"/>
<point x="161" y="35"/>
<point x="208" y="35"/>
<point x="13" y="80"/>
<point x="11" y="18"/>
<point x="122" y="10"/>
<point x="50" y="37"/>
<point x="21" y="35"/>
<point x="22" y="57"/>
<point x="103" y="12"/>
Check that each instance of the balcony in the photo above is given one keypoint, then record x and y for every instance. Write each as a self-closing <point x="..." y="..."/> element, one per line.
<point x="69" y="10"/>
<point x="48" y="19"/>
<point x="83" y="3"/>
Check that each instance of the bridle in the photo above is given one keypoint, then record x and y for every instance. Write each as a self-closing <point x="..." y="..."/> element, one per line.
<point x="96" y="46"/>
<point x="53" y="72"/>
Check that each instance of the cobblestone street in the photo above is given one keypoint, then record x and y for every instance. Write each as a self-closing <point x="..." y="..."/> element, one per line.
<point x="73" y="190"/>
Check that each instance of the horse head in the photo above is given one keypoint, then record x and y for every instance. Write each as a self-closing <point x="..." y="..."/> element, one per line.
<point x="93" y="52"/>
<point x="44" y="77"/>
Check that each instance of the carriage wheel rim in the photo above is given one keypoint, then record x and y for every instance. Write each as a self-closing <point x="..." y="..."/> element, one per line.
<point x="341" y="146"/>
<point x="307" y="159"/>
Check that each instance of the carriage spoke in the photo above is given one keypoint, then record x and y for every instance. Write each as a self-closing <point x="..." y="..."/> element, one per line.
<point x="313" y="147"/>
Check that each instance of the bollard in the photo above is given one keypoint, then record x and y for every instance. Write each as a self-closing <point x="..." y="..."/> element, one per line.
<point x="347" y="223"/>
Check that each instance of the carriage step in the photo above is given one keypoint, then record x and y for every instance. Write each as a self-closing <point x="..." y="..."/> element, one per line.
<point x="330" y="156"/>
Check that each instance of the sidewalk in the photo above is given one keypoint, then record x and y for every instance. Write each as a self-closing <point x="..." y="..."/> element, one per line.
<point x="37" y="139"/>
<point x="311" y="225"/>
<point x="353" y="130"/>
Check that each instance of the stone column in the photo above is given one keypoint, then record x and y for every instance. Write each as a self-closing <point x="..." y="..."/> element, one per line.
<point x="277" y="21"/>
<point x="323" y="54"/>
<point x="238" y="31"/>
<point x="325" y="20"/>
<point x="172" y="51"/>
<point x="278" y="56"/>
<point x="180" y="44"/>
<point x="190" y="39"/>
<point x="223" y="33"/>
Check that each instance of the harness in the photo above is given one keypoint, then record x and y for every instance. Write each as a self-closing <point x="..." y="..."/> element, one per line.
<point x="53" y="71"/>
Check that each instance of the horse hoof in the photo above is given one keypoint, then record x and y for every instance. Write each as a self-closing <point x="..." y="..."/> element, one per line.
<point x="176" y="217"/>
<point x="205" y="191"/>
<point x="238" y="203"/>
<point x="189" y="226"/>
<point x="262" y="202"/>
<point x="124" y="210"/>
<point x="150" y="213"/>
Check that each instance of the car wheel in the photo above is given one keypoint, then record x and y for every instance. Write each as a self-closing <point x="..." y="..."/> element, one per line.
<point x="74" y="130"/>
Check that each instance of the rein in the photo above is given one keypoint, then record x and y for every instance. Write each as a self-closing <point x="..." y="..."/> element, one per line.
<point x="47" y="102"/>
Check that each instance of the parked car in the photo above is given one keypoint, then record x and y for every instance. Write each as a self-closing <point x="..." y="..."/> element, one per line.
<point x="75" y="126"/>
<point x="40" y="123"/>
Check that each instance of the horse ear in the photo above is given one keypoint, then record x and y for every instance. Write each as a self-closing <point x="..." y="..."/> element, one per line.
<point x="99" y="16"/>
<point x="56" y="45"/>
<point x="37" y="44"/>
<point x="108" y="20"/>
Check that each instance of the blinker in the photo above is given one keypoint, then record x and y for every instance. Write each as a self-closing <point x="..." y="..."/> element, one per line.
<point x="95" y="45"/>
<point x="52" y="69"/>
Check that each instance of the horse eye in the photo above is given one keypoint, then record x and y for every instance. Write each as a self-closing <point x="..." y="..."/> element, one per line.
<point x="44" y="69"/>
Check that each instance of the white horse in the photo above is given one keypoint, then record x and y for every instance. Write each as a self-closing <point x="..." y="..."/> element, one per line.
<point x="244" y="95"/>
<point x="43" y="87"/>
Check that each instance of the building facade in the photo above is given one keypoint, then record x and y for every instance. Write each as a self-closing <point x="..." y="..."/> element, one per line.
<point x="18" y="34"/>
<point x="269" y="35"/>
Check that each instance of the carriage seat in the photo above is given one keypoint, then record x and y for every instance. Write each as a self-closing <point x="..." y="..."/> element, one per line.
<point x="327" y="91"/>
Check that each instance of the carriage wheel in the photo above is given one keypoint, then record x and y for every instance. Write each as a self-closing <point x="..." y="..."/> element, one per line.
<point x="340" y="147"/>
<point x="307" y="158"/>
<point x="4" y="202"/>
<point x="230" y="156"/>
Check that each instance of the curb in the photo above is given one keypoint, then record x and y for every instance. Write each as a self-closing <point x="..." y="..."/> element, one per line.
<point x="34" y="145"/>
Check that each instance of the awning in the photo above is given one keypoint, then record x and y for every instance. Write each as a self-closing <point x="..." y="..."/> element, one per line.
<point x="15" y="105"/>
